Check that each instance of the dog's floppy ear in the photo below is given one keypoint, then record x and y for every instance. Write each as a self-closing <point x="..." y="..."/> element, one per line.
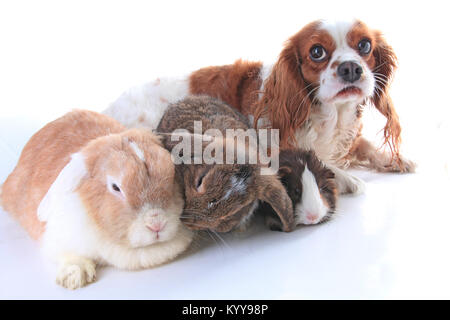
<point x="67" y="181"/>
<point x="385" y="65"/>
<point x="285" y="101"/>
<point x="273" y="192"/>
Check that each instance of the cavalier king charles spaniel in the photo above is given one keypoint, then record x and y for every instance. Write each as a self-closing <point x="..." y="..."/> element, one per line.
<point x="314" y="94"/>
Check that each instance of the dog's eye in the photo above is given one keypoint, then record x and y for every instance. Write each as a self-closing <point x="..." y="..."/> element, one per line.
<point x="318" y="53"/>
<point x="364" y="47"/>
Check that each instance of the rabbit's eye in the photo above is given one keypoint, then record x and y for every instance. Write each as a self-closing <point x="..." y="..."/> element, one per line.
<point x="199" y="182"/>
<point x="212" y="203"/>
<point x="115" y="187"/>
<point x="199" y="185"/>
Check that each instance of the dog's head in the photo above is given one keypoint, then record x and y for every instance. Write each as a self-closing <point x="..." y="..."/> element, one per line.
<point x="330" y="63"/>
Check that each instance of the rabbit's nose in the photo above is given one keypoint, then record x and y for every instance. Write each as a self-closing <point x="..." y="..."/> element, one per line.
<point x="156" y="226"/>
<point x="312" y="217"/>
<point x="154" y="214"/>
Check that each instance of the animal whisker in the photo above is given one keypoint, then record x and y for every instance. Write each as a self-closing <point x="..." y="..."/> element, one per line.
<point x="304" y="100"/>
<point x="221" y="239"/>
<point x="380" y="74"/>
<point x="379" y="66"/>
<point x="186" y="217"/>
<point x="212" y="237"/>
<point x="383" y="81"/>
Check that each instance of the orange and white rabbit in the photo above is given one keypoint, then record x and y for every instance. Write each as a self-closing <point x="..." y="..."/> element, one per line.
<point x="93" y="192"/>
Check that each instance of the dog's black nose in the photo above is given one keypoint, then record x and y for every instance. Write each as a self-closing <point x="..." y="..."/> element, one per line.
<point x="349" y="71"/>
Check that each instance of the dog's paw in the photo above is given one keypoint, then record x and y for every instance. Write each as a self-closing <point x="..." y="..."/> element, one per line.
<point x="404" y="165"/>
<point x="401" y="165"/>
<point x="76" y="273"/>
<point x="350" y="184"/>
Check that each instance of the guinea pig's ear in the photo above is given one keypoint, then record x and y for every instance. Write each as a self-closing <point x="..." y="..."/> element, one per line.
<point x="284" y="171"/>
<point x="273" y="192"/>
<point x="67" y="181"/>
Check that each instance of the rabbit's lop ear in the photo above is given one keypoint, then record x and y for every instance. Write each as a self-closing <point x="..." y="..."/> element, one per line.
<point x="67" y="181"/>
<point x="273" y="192"/>
<point x="183" y="145"/>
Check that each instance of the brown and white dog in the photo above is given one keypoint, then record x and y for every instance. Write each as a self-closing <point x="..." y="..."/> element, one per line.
<point x="314" y="94"/>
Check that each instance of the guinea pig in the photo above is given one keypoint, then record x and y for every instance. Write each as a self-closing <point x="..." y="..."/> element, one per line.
<point x="310" y="185"/>
<point x="92" y="192"/>
<point x="221" y="196"/>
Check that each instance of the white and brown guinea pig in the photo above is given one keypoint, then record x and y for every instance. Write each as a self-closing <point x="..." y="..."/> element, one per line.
<point x="93" y="192"/>
<point x="310" y="185"/>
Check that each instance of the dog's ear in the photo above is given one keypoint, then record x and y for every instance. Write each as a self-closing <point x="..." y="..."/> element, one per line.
<point x="285" y="101"/>
<point x="385" y="65"/>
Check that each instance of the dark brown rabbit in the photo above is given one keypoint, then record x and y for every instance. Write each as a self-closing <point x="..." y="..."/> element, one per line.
<point x="310" y="185"/>
<point x="221" y="197"/>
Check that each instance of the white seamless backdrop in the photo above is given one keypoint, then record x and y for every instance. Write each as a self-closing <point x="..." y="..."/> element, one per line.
<point x="60" y="55"/>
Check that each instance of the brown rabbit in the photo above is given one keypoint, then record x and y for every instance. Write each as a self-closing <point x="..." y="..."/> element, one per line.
<point x="221" y="197"/>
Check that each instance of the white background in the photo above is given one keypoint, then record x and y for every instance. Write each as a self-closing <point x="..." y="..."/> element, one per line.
<point x="60" y="55"/>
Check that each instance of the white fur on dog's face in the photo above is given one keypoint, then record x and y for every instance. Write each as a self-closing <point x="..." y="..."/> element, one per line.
<point x="330" y="83"/>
